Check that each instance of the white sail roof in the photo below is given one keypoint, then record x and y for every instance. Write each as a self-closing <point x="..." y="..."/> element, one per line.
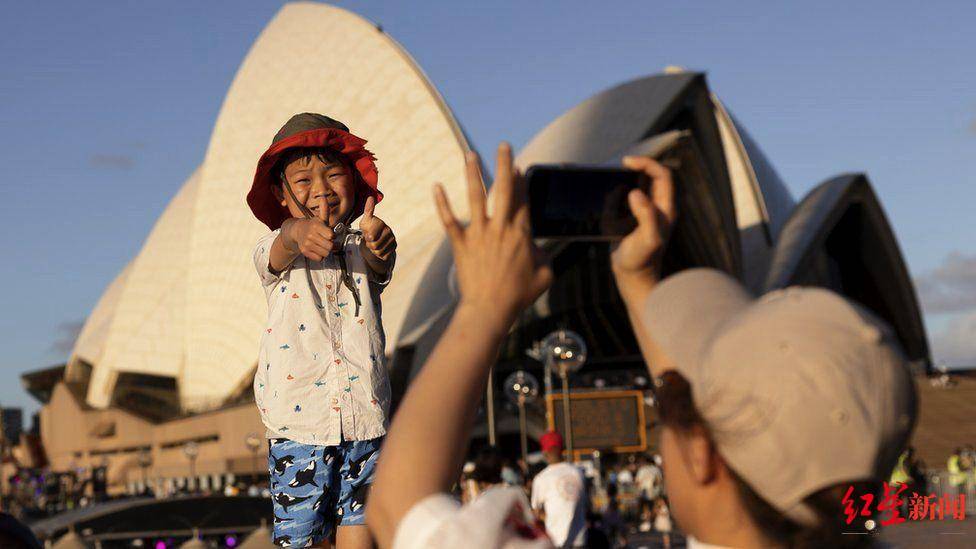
<point x="147" y="331"/>
<point x="90" y="343"/>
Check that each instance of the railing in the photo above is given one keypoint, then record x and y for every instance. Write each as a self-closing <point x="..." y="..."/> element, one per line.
<point x="939" y="484"/>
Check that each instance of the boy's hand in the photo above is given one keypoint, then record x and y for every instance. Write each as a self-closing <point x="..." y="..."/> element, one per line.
<point x="636" y="260"/>
<point x="312" y="238"/>
<point x="378" y="238"/>
<point x="499" y="268"/>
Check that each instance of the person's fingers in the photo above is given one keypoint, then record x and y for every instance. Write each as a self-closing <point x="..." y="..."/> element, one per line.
<point x="368" y="210"/>
<point x="384" y="240"/>
<point x="641" y="207"/>
<point x="451" y="226"/>
<point x="504" y="186"/>
<point x="384" y="251"/>
<point x="521" y="202"/>
<point x="321" y="244"/>
<point x="542" y="279"/>
<point x="317" y="249"/>
<point x="323" y="209"/>
<point x="476" y="188"/>
<point x="372" y="231"/>
<point x="322" y="233"/>
<point x="662" y="184"/>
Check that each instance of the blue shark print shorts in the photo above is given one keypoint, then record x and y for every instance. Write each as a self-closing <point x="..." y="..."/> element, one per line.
<point x="316" y="488"/>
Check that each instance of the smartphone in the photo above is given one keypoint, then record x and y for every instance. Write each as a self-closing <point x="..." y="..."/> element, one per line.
<point x="579" y="202"/>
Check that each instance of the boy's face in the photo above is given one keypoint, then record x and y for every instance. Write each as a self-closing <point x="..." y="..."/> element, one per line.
<point x="312" y="178"/>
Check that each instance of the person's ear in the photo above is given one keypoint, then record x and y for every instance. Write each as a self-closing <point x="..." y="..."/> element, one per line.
<point x="279" y="194"/>
<point x="703" y="460"/>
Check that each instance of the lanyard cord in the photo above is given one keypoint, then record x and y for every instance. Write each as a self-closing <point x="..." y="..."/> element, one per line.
<point x="342" y="230"/>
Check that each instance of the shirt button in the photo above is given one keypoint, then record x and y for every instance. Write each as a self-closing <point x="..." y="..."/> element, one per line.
<point x="335" y="401"/>
<point x="332" y="298"/>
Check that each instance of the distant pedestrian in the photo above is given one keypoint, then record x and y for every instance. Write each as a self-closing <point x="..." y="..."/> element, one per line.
<point x="559" y="495"/>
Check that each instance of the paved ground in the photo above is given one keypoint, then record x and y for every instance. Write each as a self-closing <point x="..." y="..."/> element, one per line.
<point x="948" y="534"/>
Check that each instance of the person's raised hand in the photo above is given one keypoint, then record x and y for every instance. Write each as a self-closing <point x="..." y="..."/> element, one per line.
<point x="499" y="269"/>
<point x="637" y="257"/>
<point x="314" y="238"/>
<point x="377" y="235"/>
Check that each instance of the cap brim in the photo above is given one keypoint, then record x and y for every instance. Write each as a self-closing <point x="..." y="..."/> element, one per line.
<point x="685" y="312"/>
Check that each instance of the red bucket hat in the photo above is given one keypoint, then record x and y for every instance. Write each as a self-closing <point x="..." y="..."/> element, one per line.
<point x="310" y="130"/>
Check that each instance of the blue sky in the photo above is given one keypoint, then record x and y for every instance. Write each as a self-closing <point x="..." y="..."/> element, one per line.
<point x="106" y="107"/>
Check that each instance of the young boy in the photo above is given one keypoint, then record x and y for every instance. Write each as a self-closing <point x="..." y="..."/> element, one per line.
<point x="321" y="383"/>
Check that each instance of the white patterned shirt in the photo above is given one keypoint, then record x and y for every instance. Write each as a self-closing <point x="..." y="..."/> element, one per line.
<point x="321" y="375"/>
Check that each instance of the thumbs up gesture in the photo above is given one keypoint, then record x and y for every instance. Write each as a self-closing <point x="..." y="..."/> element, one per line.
<point x="378" y="238"/>
<point x="313" y="237"/>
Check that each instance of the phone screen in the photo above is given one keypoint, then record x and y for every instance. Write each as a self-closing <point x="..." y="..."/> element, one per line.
<point x="581" y="202"/>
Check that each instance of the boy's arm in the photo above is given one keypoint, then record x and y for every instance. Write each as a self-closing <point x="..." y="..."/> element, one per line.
<point x="283" y="250"/>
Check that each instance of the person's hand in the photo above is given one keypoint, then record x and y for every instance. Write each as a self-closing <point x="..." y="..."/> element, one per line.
<point x="499" y="269"/>
<point x="378" y="238"/>
<point x="636" y="259"/>
<point x="312" y="238"/>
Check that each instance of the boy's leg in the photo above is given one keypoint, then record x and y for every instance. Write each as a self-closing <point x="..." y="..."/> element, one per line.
<point x="358" y="463"/>
<point x="354" y="537"/>
<point x="300" y="485"/>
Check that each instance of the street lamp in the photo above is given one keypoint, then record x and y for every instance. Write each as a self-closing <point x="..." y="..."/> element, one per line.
<point x="522" y="387"/>
<point x="253" y="442"/>
<point x="191" y="449"/>
<point x="145" y="461"/>
<point x="566" y="351"/>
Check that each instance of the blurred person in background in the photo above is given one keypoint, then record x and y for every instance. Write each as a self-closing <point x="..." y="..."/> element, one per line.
<point x="487" y="472"/>
<point x="559" y="495"/>
<point x="957" y="476"/>
<point x="662" y="521"/>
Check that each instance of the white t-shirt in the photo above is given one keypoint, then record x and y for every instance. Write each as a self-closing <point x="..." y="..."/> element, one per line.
<point x="649" y="480"/>
<point x="560" y="491"/>
<point x="498" y="518"/>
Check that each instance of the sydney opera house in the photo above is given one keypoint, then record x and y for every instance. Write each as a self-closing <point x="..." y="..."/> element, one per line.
<point x="168" y="354"/>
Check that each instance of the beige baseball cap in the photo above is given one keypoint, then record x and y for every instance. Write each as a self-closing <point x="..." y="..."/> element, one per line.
<point x="801" y="388"/>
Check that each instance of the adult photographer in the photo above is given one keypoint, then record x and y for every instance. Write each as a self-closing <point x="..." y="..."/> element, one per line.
<point x="775" y="411"/>
<point x="770" y="407"/>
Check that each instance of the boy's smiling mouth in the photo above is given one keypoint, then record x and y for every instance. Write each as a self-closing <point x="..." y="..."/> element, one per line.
<point x="333" y="204"/>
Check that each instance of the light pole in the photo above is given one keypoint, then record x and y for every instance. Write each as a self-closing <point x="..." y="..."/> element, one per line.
<point x="253" y="442"/>
<point x="145" y="461"/>
<point x="191" y="450"/>
<point x="520" y="388"/>
<point x="490" y="406"/>
<point x="566" y="351"/>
